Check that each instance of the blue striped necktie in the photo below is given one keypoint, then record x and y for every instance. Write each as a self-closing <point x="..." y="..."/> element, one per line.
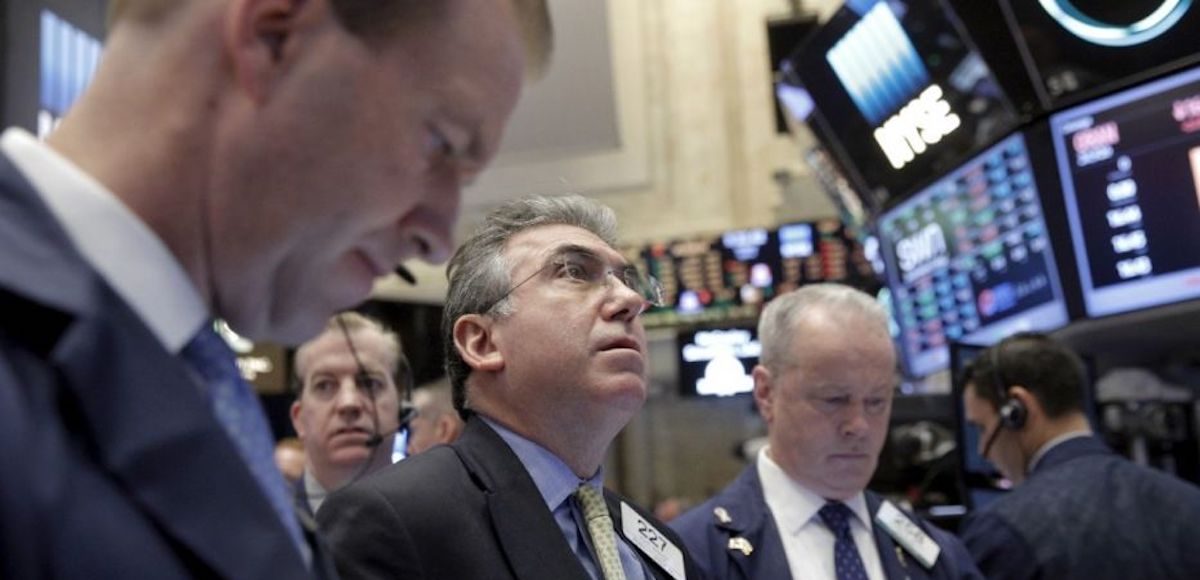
<point x="238" y="410"/>
<point x="847" y="563"/>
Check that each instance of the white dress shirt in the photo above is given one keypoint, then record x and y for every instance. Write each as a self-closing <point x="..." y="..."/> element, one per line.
<point x="113" y="240"/>
<point x="807" y="541"/>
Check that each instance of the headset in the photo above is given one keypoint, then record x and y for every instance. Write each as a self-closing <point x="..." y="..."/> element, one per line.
<point x="1012" y="411"/>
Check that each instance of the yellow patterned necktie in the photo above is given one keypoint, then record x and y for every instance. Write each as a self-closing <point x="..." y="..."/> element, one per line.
<point x="600" y="526"/>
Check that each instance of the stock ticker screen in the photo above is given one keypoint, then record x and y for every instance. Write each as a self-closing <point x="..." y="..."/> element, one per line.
<point x="969" y="258"/>
<point x="1130" y="170"/>
<point x="730" y="275"/>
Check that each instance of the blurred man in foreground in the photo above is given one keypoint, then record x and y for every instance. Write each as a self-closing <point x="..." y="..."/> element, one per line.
<point x="1078" y="510"/>
<point x="258" y="161"/>
<point x="825" y="389"/>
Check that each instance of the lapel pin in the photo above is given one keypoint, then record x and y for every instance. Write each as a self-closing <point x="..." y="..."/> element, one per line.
<point x="741" y="544"/>
<point x="722" y="515"/>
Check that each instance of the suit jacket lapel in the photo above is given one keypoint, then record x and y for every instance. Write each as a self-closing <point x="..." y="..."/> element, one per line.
<point x="524" y="527"/>
<point x="134" y="407"/>
<point x="750" y="520"/>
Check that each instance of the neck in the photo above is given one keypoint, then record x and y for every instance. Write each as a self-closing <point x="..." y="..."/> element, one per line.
<point x="141" y="130"/>
<point x="1048" y="430"/>
<point x="579" y="444"/>
<point x="331" y="478"/>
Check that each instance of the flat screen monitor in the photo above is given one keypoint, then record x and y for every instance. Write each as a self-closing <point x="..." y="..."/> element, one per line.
<point x="902" y="90"/>
<point x="1130" y="170"/>
<point x="969" y="258"/>
<point x="51" y="49"/>
<point x="717" y="361"/>
<point x="1074" y="48"/>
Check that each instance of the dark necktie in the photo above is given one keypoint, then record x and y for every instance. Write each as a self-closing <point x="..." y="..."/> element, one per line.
<point x="847" y="563"/>
<point x="238" y="410"/>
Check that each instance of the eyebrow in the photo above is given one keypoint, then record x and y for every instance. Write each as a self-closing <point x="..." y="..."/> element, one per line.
<point x="566" y="249"/>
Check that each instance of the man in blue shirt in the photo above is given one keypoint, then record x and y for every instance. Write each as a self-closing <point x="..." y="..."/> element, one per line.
<point x="1078" y="510"/>
<point x="547" y="357"/>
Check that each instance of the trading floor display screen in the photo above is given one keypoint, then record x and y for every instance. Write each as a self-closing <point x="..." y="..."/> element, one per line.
<point x="969" y="258"/>
<point x="1130" y="170"/>
<point x="731" y="275"/>
<point x="1071" y="46"/>
<point x="902" y="90"/>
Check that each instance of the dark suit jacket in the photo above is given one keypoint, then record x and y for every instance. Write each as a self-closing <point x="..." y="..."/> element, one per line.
<point x="708" y="539"/>
<point x="112" y="464"/>
<point x="1086" y="512"/>
<point x="463" y="511"/>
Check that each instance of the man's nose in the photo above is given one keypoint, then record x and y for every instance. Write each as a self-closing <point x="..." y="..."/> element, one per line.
<point x="855" y="422"/>
<point x="348" y="395"/>
<point x="623" y="303"/>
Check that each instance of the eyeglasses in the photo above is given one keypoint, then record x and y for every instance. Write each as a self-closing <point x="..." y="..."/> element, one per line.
<point x="582" y="267"/>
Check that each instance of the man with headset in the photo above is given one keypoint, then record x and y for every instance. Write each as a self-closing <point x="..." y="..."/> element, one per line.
<point x="348" y="404"/>
<point x="1078" y="510"/>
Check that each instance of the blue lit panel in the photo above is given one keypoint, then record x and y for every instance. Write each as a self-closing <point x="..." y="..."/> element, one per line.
<point x="878" y="65"/>
<point x="69" y="58"/>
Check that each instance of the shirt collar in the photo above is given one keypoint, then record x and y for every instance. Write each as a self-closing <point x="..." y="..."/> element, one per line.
<point x="314" y="494"/>
<point x="1051" y="444"/>
<point x="112" y="239"/>
<point x="794" y="505"/>
<point x="554" y="480"/>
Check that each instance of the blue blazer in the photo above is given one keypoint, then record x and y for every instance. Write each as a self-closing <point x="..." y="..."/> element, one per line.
<point x="708" y="539"/>
<point x="111" y="463"/>
<point x="1086" y="512"/>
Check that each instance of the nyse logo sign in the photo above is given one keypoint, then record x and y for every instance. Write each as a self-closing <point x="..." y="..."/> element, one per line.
<point x="922" y="122"/>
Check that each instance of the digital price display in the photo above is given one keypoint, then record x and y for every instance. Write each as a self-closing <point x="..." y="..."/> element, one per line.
<point x="1130" y="170"/>
<point x="969" y="258"/>
<point x="740" y="270"/>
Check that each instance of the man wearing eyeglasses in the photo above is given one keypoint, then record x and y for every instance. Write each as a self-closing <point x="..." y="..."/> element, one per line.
<point x="348" y="403"/>
<point x="547" y="357"/>
<point x="825" y="389"/>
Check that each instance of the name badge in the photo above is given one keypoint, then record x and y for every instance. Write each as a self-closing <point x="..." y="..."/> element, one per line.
<point x="653" y="543"/>
<point x="908" y="534"/>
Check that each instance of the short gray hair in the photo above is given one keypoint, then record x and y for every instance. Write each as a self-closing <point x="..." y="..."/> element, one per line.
<point x="777" y="325"/>
<point x="479" y="274"/>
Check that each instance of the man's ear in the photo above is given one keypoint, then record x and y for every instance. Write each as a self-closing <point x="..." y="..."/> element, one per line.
<point x="763" y="391"/>
<point x="261" y="37"/>
<point x="295" y="414"/>
<point x="473" y="339"/>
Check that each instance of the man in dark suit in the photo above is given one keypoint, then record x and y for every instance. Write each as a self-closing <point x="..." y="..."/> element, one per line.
<point x="348" y="405"/>
<point x="825" y="389"/>
<point x="1078" y="510"/>
<point x="547" y="356"/>
<point x="261" y="161"/>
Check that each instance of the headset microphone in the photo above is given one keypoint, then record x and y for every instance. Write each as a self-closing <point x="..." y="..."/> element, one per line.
<point x="991" y="439"/>
<point x="374" y="440"/>
<point x="405" y="274"/>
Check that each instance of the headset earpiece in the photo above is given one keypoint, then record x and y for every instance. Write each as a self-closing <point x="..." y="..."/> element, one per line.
<point x="1012" y="411"/>
<point x="1013" y="414"/>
